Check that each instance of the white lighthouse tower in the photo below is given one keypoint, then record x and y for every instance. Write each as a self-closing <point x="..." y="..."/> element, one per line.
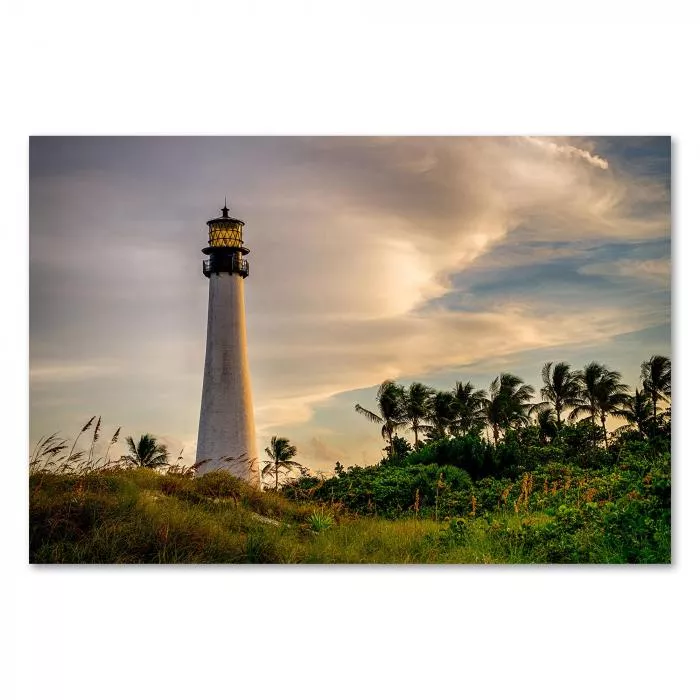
<point x="226" y="426"/>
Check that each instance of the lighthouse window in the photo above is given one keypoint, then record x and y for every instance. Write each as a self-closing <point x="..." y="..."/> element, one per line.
<point x="225" y="235"/>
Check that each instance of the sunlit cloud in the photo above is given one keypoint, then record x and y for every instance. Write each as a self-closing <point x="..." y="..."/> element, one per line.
<point x="51" y="373"/>
<point x="569" y="151"/>
<point x="341" y="358"/>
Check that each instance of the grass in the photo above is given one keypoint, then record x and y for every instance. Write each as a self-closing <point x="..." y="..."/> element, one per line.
<point x="112" y="514"/>
<point x="90" y="508"/>
<point x="140" y="516"/>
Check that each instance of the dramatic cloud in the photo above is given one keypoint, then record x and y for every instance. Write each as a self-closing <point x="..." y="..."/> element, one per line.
<point x="569" y="151"/>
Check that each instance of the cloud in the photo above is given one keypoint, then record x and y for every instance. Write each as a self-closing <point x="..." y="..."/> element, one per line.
<point x="524" y="254"/>
<point x="44" y="373"/>
<point x="385" y="235"/>
<point x="568" y="151"/>
<point x="320" y="451"/>
<point x="655" y="271"/>
<point x="337" y="358"/>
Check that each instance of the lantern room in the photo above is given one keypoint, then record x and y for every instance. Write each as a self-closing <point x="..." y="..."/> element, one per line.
<point x="225" y="249"/>
<point x="226" y="232"/>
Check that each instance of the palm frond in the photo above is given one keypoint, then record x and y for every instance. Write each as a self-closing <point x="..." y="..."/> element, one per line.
<point x="368" y="414"/>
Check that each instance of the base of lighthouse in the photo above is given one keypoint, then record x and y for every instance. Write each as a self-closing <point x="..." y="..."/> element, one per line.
<point x="226" y="427"/>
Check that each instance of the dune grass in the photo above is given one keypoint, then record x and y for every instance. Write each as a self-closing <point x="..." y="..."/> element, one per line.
<point x="140" y="516"/>
<point x="117" y="515"/>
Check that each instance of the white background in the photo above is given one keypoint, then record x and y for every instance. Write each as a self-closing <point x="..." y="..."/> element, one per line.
<point x="353" y="68"/>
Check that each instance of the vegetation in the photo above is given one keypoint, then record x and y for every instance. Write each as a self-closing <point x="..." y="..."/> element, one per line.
<point x="656" y="380"/>
<point x="548" y="488"/>
<point x="561" y="388"/>
<point x="441" y="414"/>
<point x="280" y="453"/>
<point x="391" y="400"/>
<point x="601" y="394"/>
<point x="508" y="403"/>
<point x="417" y="401"/>
<point x="469" y="410"/>
<point x="147" y="453"/>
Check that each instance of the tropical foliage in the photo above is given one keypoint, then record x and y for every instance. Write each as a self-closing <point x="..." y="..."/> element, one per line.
<point x="656" y="380"/>
<point x="561" y="388"/>
<point x="637" y="412"/>
<point x="602" y="395"/>
<point x="441" y="415"/>
<point x="593" y="394"/>
<point x="391" y="401"/>
<point x="507" y="404"/>
<point x="416" y="406"/>
<point x="280" y="453"/>
<point x="469" y="409"/>
<point x="148" y="452"/>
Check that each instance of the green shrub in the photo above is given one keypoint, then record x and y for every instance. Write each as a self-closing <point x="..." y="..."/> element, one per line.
<point x="393" y="490"/>
<point x="469" y="453"/>
<point x="455" y="533"/>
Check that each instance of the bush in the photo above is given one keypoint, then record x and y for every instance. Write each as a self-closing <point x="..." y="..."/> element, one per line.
<point x="469" y="453"/>
<point x="394" y="490"/>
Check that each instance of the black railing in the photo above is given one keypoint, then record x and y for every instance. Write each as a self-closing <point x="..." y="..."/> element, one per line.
<point x="227" y="265"/>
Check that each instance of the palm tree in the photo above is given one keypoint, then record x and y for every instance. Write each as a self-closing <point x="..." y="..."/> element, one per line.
<point x="546" y="424"/>
<point x="280" y="453"/>
<point x="390" y="399"/>
<point x="637" y="411"/>
<point x="561" y="387"/>
<point x="469" y="408"/>
<point x="602" y="394"/>
<point x="441" y="414"/>
<point x="416" y="406"/>
<point x="656" y="379"/>
<point x="508" y="403"/>
<point x="147" y="453"/>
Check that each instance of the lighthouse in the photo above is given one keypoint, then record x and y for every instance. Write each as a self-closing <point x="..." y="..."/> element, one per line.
<point x="226" y="437"/>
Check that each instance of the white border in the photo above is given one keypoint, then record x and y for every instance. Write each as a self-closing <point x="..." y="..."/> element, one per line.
<point x="307" y="67"/>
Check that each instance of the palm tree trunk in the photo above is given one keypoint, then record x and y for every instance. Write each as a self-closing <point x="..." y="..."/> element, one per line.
<point x="605" y="432"/>
<point x="415" y="432"/>
<point x="277" y="473"/>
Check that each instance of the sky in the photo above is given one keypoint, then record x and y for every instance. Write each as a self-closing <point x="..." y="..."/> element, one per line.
<point x="430" y="259"/>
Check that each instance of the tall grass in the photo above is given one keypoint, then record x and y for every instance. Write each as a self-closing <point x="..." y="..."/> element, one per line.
<point x="49" y="455"/>
<point x="88" y="509"/>
<point x="140" y="516"/>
